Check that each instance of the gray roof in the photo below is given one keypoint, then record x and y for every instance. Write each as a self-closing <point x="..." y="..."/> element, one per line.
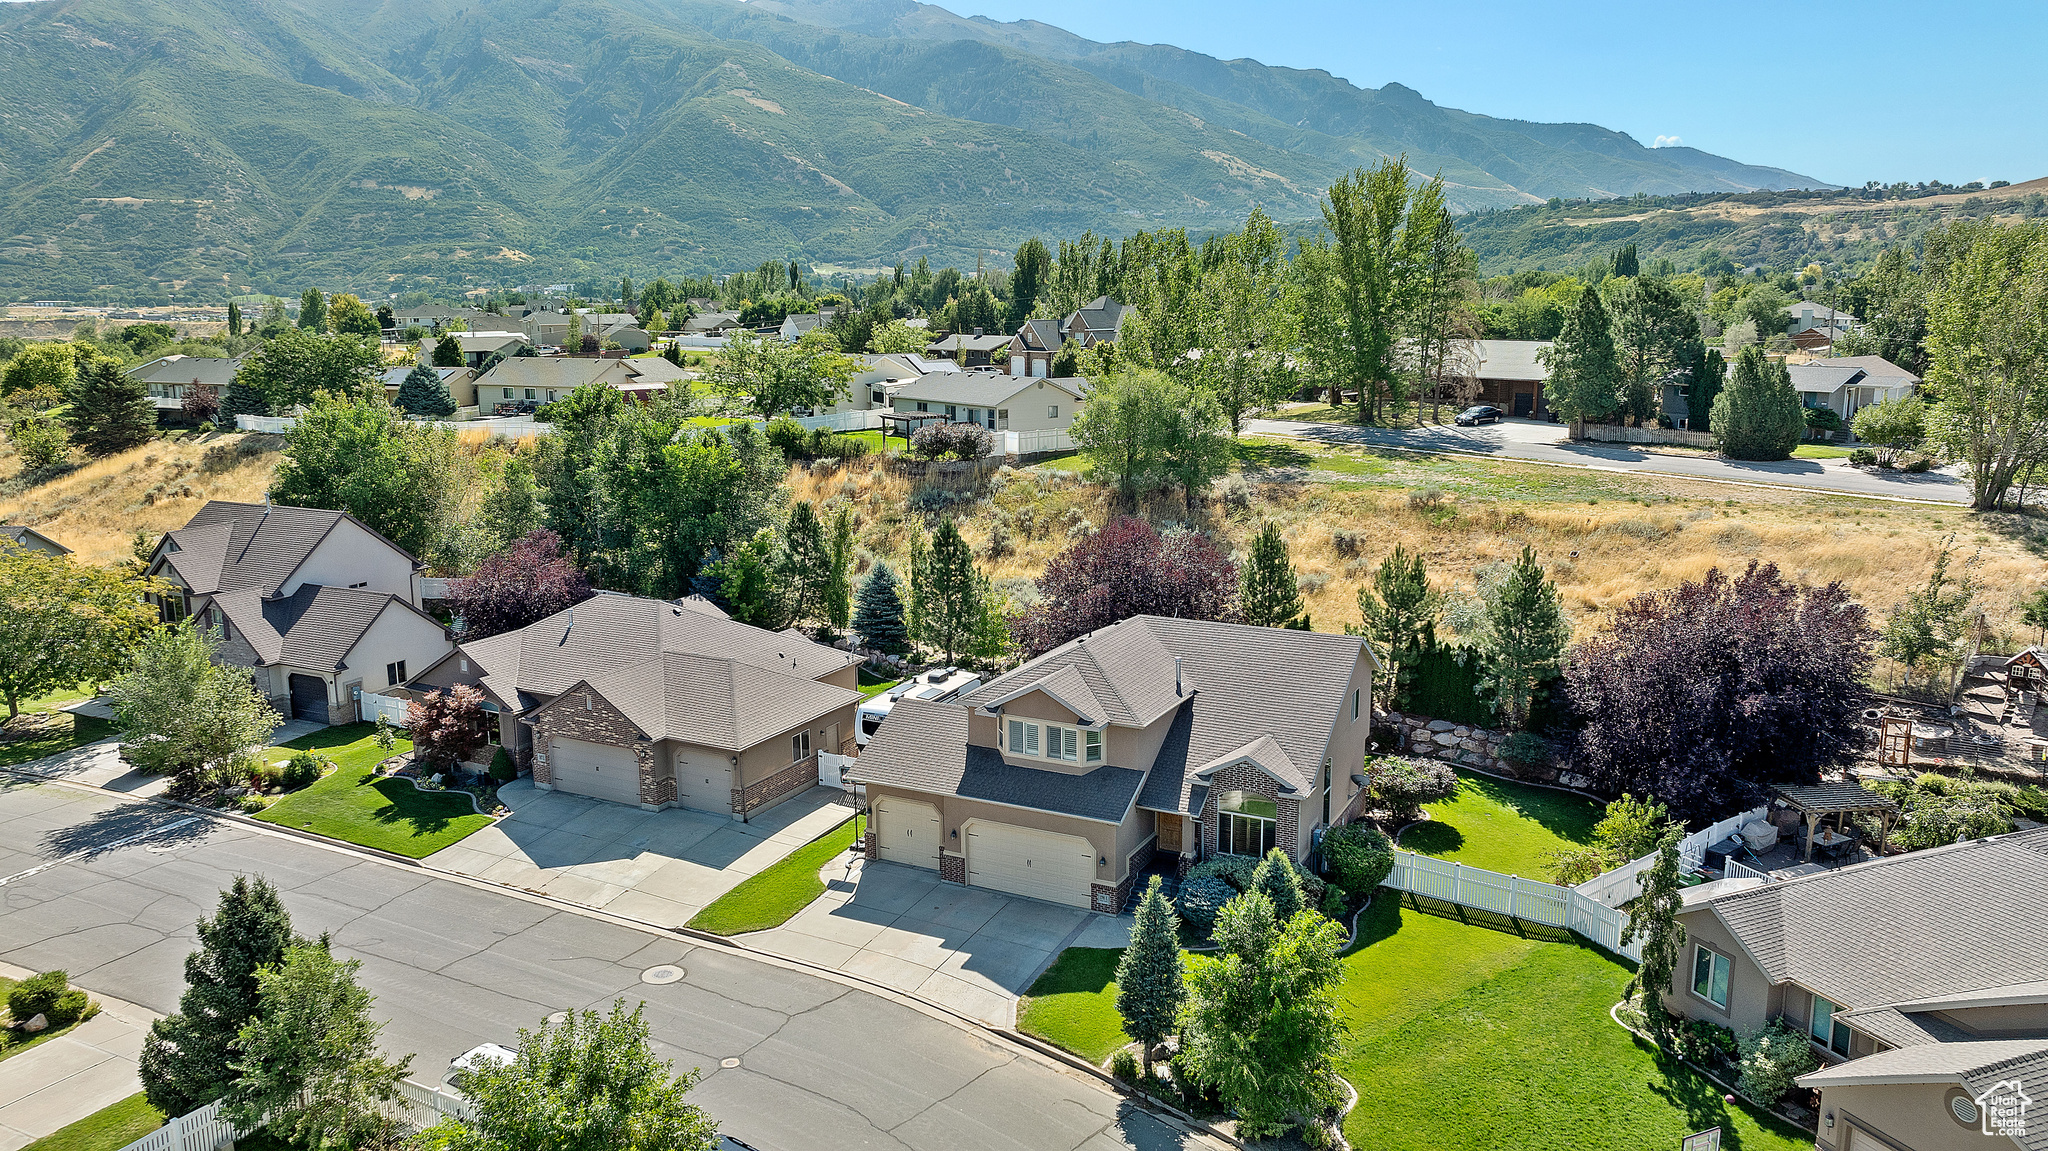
<point x="609" y="631"/>
<point x="1929" y="923"/>
<point x="1824" y="375"/>
<point x="19" y="534"/>
<point x="1878" y="367"/>
<point x="393" y="377"/>
<point x="716" y="702"/>
<point x="980" y="389"/>
<point x="1839" y="796"/>
<point x="1044" y="335"/>
<point x="1898" y="1028"/>
<point x="1985" y="1060"/>
<point x="314" y="627"/>
<point x="487" y="341"/>
<point x="218" y="371"/>
<point x="1511" y="360"/>
<point x="968" y="342"/>
<point x="710" y="321"/>
<point x="923" y="746"/>
<point x="1102" y="317"/>
<point x="567" y="373"/>
<point x="225" y="546"/>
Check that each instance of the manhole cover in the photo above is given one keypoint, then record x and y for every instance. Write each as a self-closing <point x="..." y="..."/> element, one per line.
<point x="729" y="1064"/>
<point x="558" y="1018"/>
<point x="665" y="973"/>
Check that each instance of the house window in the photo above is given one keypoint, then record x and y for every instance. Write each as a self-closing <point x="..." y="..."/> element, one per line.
<point x="508" y="393"/>
<point x="1245" y="823"/>
<point x="800" y="745"/>
<point x="952" y="412"/>
<point x="394" y="673"/>
<point x="1023" y="737"/>
<point x="1354" y="703"/>
<point x="493" y="734"/>
<point x="1093" y="740"/>
<point x="923" y="407"/>
<point x="877" y="397"/>
<point x="1710" y="976"/>
<point x="529" y="393"/>
<point x="1326" y="792"/>
<point x="1826" y="1030"/>
<point x="1052" y="411"/>
<point x="1061" y="743"/>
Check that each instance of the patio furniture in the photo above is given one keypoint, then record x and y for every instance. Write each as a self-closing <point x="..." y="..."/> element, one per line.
<point x="1841" y="800"/>
<point x="1759" y="835"/>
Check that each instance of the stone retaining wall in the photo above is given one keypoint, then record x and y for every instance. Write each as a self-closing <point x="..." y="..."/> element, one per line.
<point x="1468" y="746"/>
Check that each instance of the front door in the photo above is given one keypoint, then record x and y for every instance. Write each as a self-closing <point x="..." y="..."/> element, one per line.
<point x="1525" y="402"/>
<point x="1169" y="833"/>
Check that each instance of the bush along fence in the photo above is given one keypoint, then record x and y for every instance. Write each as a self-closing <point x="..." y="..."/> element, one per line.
<point x="1529" y="900"/>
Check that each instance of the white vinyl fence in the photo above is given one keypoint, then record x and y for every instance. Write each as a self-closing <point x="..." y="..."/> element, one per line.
<point x="1526" y="899"/>
<point x="1614" y="888"/>
<point x="373" y="705"/>
<point x="1025" y="443"/>
<point x="202" y="1130"/>
<point x="858" y="421"/>
<point x="248" y="423"/>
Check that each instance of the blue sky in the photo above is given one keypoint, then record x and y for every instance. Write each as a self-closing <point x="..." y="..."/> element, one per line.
<point x="1843" y="92"/>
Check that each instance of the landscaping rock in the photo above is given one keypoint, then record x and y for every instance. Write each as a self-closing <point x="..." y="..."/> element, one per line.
<point x="1444" y="739"/>
<point x="1440" y="725"/>
<point x="40" y="1022"/>
<point x="1573" y="779"/>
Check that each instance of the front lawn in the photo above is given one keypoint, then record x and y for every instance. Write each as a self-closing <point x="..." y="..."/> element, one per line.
<point x="1820" y="452"/>
<point x="770" y="896"/>
<point x="1504" y="826"/>
<point x="1073" y="1005"/>
<point x="33" y="735"/>
<point x="353" y="804"/>
<point x="109" y="1129"/>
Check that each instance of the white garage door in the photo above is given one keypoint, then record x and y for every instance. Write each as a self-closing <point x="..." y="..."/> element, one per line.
<point x="1026" y="861"/>
<point x="595" y="769"/>
<point x="704" y="781"/>
<point x="907" y="831"/>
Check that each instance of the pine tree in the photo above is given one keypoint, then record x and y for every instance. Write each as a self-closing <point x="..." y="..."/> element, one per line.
<point x="878" y="620"/>
<point x="1759" y="416"/>
<point x="186" y="1057"/>
<point x="1709" y="373"/>
<point x="424" y="393"/>
<point x="242" y="398"/>
<point x="950" y="594"/>
<point x="839" y="588"/>
<point x="1267" y="592"/>
<point x="1276" y="880"/>
<point x="1626" y="263"/>
<point x="110" y="410"/>
<point x="805" y="564"/>
<point x="1398" y="613"/>
<point x="1653" y="918"/>
<point x="1149" y="979"/>
<point x="448" y="352"/>
<point x="1585" y="370"/>
<point x="1525" y="636"/>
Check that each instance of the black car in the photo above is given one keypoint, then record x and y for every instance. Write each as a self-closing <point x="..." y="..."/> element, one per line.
<point x="1472" y="417"/>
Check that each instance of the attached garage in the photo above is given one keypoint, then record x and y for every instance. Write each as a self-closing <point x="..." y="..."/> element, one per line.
<point x="703" y="780"/>
<point x="907" y="831"/>
<point x="597" y="770"/>
<point x="1026" y="861"/>
<point x="309" y="697"/>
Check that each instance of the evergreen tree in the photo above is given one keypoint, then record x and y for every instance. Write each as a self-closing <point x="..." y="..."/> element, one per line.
<point x="110" y="410"/>
<point x="1759" y="416"/>
<point x="914" y="603"/>
<point x="709" y="581"/>
<point x="1709" y="373"/>
<point x="1524" y="639"/>
<point x="187" y="1058"/>
<point x="1626" y="262"/>
<point x="1267" y="592"/>
<point x="512" y="508"/>
<point x="1028" y="281"/>
<point x="234" y="318"/>
<point x="1653" y="918"/>
<point x="1399" y="614"/>
<point x="839" y="587"/>
<point x="1149" y="980"/>
<point x="448" y="352"/>
<point x="242" y="397"/>
<point x="313" y="310"/>
<point x="806" y="564"/>
<point x="952" y="594"/>
<point x="424" y="393"/>
<point x="1585" y="371"/>
<point x="748" y="583"/>
<point x="1275" y="878"/>
<point x="878" y="620"/>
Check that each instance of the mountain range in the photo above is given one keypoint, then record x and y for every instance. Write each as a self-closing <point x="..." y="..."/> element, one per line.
<point x="212" y="147"/>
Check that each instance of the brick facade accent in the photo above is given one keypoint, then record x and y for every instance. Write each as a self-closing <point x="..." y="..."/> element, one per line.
<point x="952" y="868"/>
<point x="1142" y="858"/>
<point x="566" y="718"/>
<point x="1109" y="898"/>
<point x="775" y="787"/>
<point x="870" y="848"/>
<point x="1241" y="777"/>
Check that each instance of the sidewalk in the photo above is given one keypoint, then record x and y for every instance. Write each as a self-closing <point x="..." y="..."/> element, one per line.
<point x="68" y="1078"/>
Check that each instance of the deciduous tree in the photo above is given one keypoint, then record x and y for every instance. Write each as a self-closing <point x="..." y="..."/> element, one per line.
<point x="1987" y="342"/>
<point x="353" y="453"/>
<point x="838" y="610"/>
<point x="292" y="367"/>
<point x="528" y="580"/>
<point x="40" y="366"/>
<point x="312" y="310"/>
<point x="1892" y="426"/>
<point x="773" y="377"/>
<point x="347" y="315"/>
<point x="1656" y="333"/>
<point x="1371" y="273"/>
<point x="1124" y="570"/>
<point x="447" y="727"/>
<point x="64" y="623"/>
<point x="185" y="714"/>
<point x="1653" y="919"/>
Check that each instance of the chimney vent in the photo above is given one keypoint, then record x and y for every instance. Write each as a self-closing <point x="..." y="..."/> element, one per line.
<point x="1176" y="676"/>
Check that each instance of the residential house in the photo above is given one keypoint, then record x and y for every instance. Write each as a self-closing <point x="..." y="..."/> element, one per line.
<point x="461" y="383"/>
<point x="1807" y="316"/>
<point x="29" y="539"/>
<point x="1510" y="377"/>
<point x="997" y="401"/>
<point x="660" y="704"/>
<point x="319" y="606"/>
<point x="710" y="324"/>
<point x="969" y="351"/>
<point x="1037" y="341"/>
<point x="171" y="378"/>
<point x="480" y="346"/>
<point x="798" y="324"/>
<point x="1848" y="384"/>
<point x="439" y="317"/>
<point x="880" y="376"/>
<point x="545" y="379"/>
<point x="1921" y="981"/>
<point x="1151" y="739"/>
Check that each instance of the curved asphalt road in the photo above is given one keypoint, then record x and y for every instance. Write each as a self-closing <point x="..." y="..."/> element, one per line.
<point x="822" y="1065"/>
<point x="1531" y="441"/>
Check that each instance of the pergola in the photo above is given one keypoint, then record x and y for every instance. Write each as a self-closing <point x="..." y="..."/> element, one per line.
<point x="1840" y="800"/>
<point x="904" y="423"/>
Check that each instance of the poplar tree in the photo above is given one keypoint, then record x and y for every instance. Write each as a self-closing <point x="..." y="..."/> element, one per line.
<point x="187" y="1059"/>
<point x="313" y="310"/>
<point x="1268" y="595"/>
<point x="1150" y="984"/>
<point x="234" y="318"/>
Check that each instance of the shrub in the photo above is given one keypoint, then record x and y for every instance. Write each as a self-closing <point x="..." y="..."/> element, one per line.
<point x="302" y="769"/>
<point x="1235" y="870"/>
<point x="1526" y="749"/>
<point x="1358" y="857"/>
<point x="502" y="768"/>
<point x="1124" y="1065"/>
<point x="384" y="736"/>
<point x="1772" y="1058"/>
<point x="788" y="437"/>
<point x="962" y="441"/>
<point x="828" y="445"/>
<point x="1333" y="904"/>
<point x="51" y="996"/>
<point x="1862" y="458"/>
<point x="1400" y="785"/>
<point x="1201" y="897"/>
<point x="1707" y="1042"/>
<point x="266" y="776"/>
<point x="1920" y="465"/>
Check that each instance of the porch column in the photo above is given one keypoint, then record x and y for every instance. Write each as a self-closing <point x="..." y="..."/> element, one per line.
<point x="1810" y="824"/>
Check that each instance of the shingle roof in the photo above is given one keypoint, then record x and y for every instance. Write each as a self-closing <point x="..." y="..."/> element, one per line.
<point x="967" y="342"/>
<point x="1824" y="375"/>
<point x="1935" y="1062"/>
<point x="1898" y="1028"/>
<point x="1265" y="754"/>
<point x="923" y="746"/>
<point x="225" y="546"/>
<point x="985" y="389"/>
<point x="716" y="702"/>
<point x="218" y="371"/>
<point x="1878" y="367"/>
<point x="609" y="631"/>
<point x="1839" y="796"/>
<point x="19" y="533"/>
<point x="1935" y="922"/>
<point x="1044" y="335"/>
<point x="1102" y="317"/>
<point x="1511" y="360"/>
<point x="314" y="627"/>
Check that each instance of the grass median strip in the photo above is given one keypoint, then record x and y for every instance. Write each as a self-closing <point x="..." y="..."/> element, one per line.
<point x="109" y="1129"/>
<point x="769" y="897"/>
<point x="354" y="804"/>
<point x="1073" y="1005"/>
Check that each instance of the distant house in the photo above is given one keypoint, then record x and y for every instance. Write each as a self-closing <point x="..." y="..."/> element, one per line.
<point x="461" y="383"/>
<point x="171" y="378"/>
<point x="710" y="324"/>
<point x="797" y="324"/>
<point x="480" y="346"/>
<point x="431" y="316"/>
<point x="881" y="376"/>
<point x="545" y="379"/>
<point x="1808" y="316"/>
<point x="1918" y="980"/>
<point x="1848" y="384"/>
<point x="319" y="606"/>
<point x="969" y="350"/>
<point x="1511" y="378"/>
<point x="997" y="401"/>
<point x="29" y="539"/>
<point x="1032" y="349"/>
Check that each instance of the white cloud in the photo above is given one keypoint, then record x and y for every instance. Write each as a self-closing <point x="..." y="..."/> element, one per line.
<point x="1667" y="142"/>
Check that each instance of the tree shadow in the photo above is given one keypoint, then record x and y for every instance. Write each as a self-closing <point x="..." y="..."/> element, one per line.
<point x="1434" y="837"/>
<point x="1564" y="814"/>
<point x="107" y="829"/>
<point x="1491" y="921"/>
<point x="329" y="737"/>
<point x="1272" y="456"/>
<point x="424" y="812"/>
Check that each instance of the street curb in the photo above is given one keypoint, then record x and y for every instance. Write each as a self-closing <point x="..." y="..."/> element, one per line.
<point x="1119" y="1086"/>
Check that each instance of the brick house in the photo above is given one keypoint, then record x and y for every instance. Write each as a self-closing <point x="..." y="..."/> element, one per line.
<point x="1100" y="321"/>
<point x="1064" y="779"/>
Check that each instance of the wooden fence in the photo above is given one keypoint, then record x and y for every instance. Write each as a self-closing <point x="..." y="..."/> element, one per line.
<point x="1529" y="900"/>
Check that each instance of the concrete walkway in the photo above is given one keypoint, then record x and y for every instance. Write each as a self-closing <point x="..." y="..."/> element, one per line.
<point x="659" y="867"/>
<point x="966" y="948"/>
<point x="96" y="765"/>
<point x="63" y="1080"/>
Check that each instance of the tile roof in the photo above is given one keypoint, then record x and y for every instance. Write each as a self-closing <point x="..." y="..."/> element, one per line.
<point x="1929" y="923"/>
<point x="715" y="702"/>
<point x="314" y="627"/>
<point x="225" y="546"/>
<point x="923" y="746"/>
<point x="984" y="389"/>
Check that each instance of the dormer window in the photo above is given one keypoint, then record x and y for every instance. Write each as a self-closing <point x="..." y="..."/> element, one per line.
<point x="1054" y="742"/>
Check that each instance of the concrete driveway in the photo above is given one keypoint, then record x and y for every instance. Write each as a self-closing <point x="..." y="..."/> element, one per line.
<point x="966" y="948"/>
<point x="659" y="867"/>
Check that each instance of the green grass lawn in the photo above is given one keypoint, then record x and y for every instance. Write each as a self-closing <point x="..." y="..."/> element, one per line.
<point x="1073" y="1005"/>
<point x="1819" y="452"/>
<point x="870" y="685"/>
<point x="352" y="804"/>
<point x="769" y="897"/>
<point x="1504" y="826"/>
<point x="109" y="1129"/>
<point x="52" y="732"/>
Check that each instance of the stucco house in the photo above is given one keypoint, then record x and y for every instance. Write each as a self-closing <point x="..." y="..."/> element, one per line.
<point x="545" y="379"/>
<point x="997" y="401"/>
<point x="660" y="704"/>
<point x="1154" y="737"/>
<point x="318" y="605"/>
<point x="171" y="378"/>
<point x="877" y="377"/>
<point x="1848" y="384"/>
<point x="29" y="539"/>
<point x="1921" y="980"/>
<point x="461" y="383"/>
<point x="1101" y="321"/>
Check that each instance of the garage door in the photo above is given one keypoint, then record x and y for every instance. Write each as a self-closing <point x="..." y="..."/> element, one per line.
<point x="704" y="781"/>
<point x="1026" y="861"/>
<point x="595" y="769"/>
<point x="907" y="831"/>
<point x="309" y="698"/>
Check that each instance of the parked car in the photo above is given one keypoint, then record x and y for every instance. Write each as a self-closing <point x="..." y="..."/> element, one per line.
<point x="937" y="685"/>
<point x="1478" y="414"/>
